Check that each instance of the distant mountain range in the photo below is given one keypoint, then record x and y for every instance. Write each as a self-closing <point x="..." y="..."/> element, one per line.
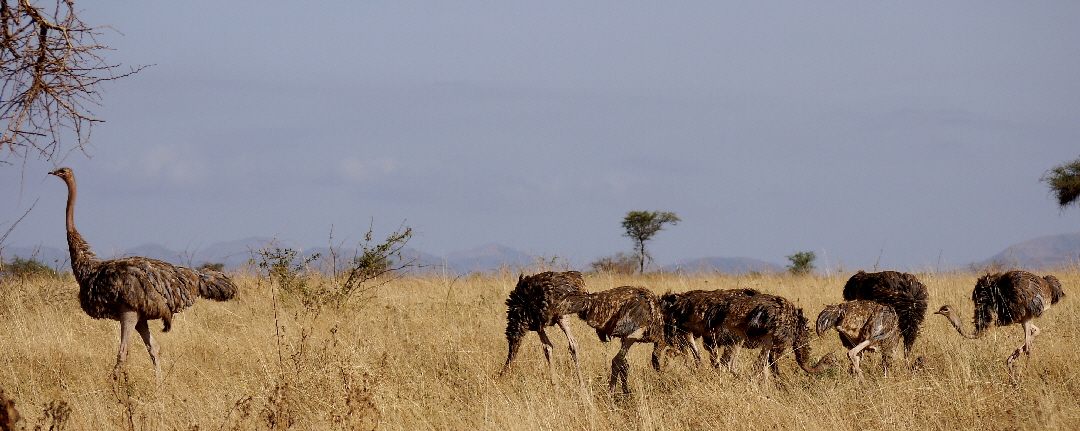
<point x="238" y="253"/>
<point x="1043" y="252"/>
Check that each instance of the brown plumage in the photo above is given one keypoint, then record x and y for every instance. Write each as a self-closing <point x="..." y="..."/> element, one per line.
<point x="1007" y="298"/>
<point x="534" y="305"/>
<point x="863" y="325"/>
<point x="631" y="314"/>
<point x="685" y="320"/>
<point x="8" y="415"/>
<point x="773" y="323"/>
<point x="899" y="290"/>
<point x="134" y="290"/>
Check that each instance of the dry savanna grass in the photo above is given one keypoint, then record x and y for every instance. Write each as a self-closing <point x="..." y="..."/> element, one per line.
<point x="423" y="352"/>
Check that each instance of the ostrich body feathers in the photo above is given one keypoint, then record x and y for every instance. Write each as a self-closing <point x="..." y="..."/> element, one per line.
<point x="533" y="304"/>
<point x="1008" y="297"/>
<point x="902" y="291"/>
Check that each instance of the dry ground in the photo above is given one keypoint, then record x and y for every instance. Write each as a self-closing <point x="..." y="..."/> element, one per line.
<point x="422" y="354"/>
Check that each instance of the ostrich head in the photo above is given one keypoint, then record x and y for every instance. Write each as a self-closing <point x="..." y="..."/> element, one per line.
<point x="63" y="173"/>
<point x="944" y="311"/>
<point x="947" y="311"/>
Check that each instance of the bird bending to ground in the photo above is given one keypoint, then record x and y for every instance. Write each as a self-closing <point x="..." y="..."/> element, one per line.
<point x="631" y="314"/>
<point x="863" y="325"/>
<point x="773" y="323"/>
<point x="534" y="305"/>
<point x="899" y="290"/>
<point x="134" y="290"/>
<point x="1007" y="298"/>
<point x="685" y="315"/>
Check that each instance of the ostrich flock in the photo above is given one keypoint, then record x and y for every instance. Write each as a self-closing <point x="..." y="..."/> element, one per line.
<point x="881" y="308"/>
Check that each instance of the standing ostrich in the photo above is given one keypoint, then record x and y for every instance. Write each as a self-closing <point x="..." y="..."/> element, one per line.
<point x="899" y="290"/>
<point x="863" y="325"/>
<point x="134" y="290"/>
<point x="534" y="305"/>
<point x="685" y="315"/>
<point x="629" y="313"/>
<point x="773" y="323"/>
<point x="1007" y="298"/>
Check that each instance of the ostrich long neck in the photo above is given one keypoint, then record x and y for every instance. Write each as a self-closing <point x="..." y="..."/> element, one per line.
<point x="576" y="303"/>
<point x="77" y="246"/>
<point x="70" y="220"/>
<point x="960" y="327"/>
<point x="803" y="351"/>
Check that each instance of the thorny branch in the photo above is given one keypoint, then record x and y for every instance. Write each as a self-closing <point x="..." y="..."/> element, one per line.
<point x="50" y="73"/>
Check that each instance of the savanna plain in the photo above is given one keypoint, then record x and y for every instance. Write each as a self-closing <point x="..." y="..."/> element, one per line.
<point x="422" y="351"/>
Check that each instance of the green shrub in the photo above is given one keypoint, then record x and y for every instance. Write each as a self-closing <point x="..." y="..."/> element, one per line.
<point x="282" y="267"/>
<point x="23" y="268"/>
<point x="801" y="262"/>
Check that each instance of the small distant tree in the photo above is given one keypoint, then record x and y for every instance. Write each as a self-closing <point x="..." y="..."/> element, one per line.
<point x="1064" y="182"/>
<point x="801" y="262"/>
<point x="641" y="226"/>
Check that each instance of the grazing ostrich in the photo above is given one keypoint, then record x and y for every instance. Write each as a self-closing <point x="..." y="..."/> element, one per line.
<point x="685" y="315"/>
<point x="899" y="290"/>
<point x="863" y="325"/>
<point x="534" y="305"/>
<point x="1007" y="298"/>
<point x="629" y="313"/>
<point x="774" y="324"/>
<point x="134" y="290"/>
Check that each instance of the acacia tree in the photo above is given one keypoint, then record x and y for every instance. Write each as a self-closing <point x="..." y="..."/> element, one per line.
<point x="801" y="262"/>
<point x="50" y="71"/>
<point x="641" y="226"/>
<point x="1064" y="182"/>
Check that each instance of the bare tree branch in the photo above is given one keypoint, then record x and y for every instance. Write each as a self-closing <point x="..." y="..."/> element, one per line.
<point x="50" y="71"/>
<point x="12" y="228"/>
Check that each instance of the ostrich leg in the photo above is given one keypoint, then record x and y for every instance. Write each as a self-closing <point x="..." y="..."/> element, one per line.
<point x="1030" y="332"/>
<point x="688" y="338"/>
<point x="564" y="324"/>
<point x="128" y="320"/>
<point x="728" y="358"/>
<point x="855" y="355"/>
<point x="1034" y="332"/>
<point x="548" y="347"/>
<point x="620" y="367"/>
<point x="151" y="346"/>
<point x="764" y="358"/>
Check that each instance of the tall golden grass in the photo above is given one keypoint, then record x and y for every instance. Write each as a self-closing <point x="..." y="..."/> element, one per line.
<point x="423" y="353"/>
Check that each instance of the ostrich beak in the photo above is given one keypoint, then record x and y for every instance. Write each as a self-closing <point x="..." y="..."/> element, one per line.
<point x="56" y="172"/>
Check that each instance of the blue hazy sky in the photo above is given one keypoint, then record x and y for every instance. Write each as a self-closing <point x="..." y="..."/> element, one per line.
<point x="916" y="131"/>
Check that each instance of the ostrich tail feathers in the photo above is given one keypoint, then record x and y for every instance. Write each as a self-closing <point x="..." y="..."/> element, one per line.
<point x="827" y="319"/>
<point x="901" y="291"/>
<point x="215" y="285"/>
<point x="1055" y="288"/>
